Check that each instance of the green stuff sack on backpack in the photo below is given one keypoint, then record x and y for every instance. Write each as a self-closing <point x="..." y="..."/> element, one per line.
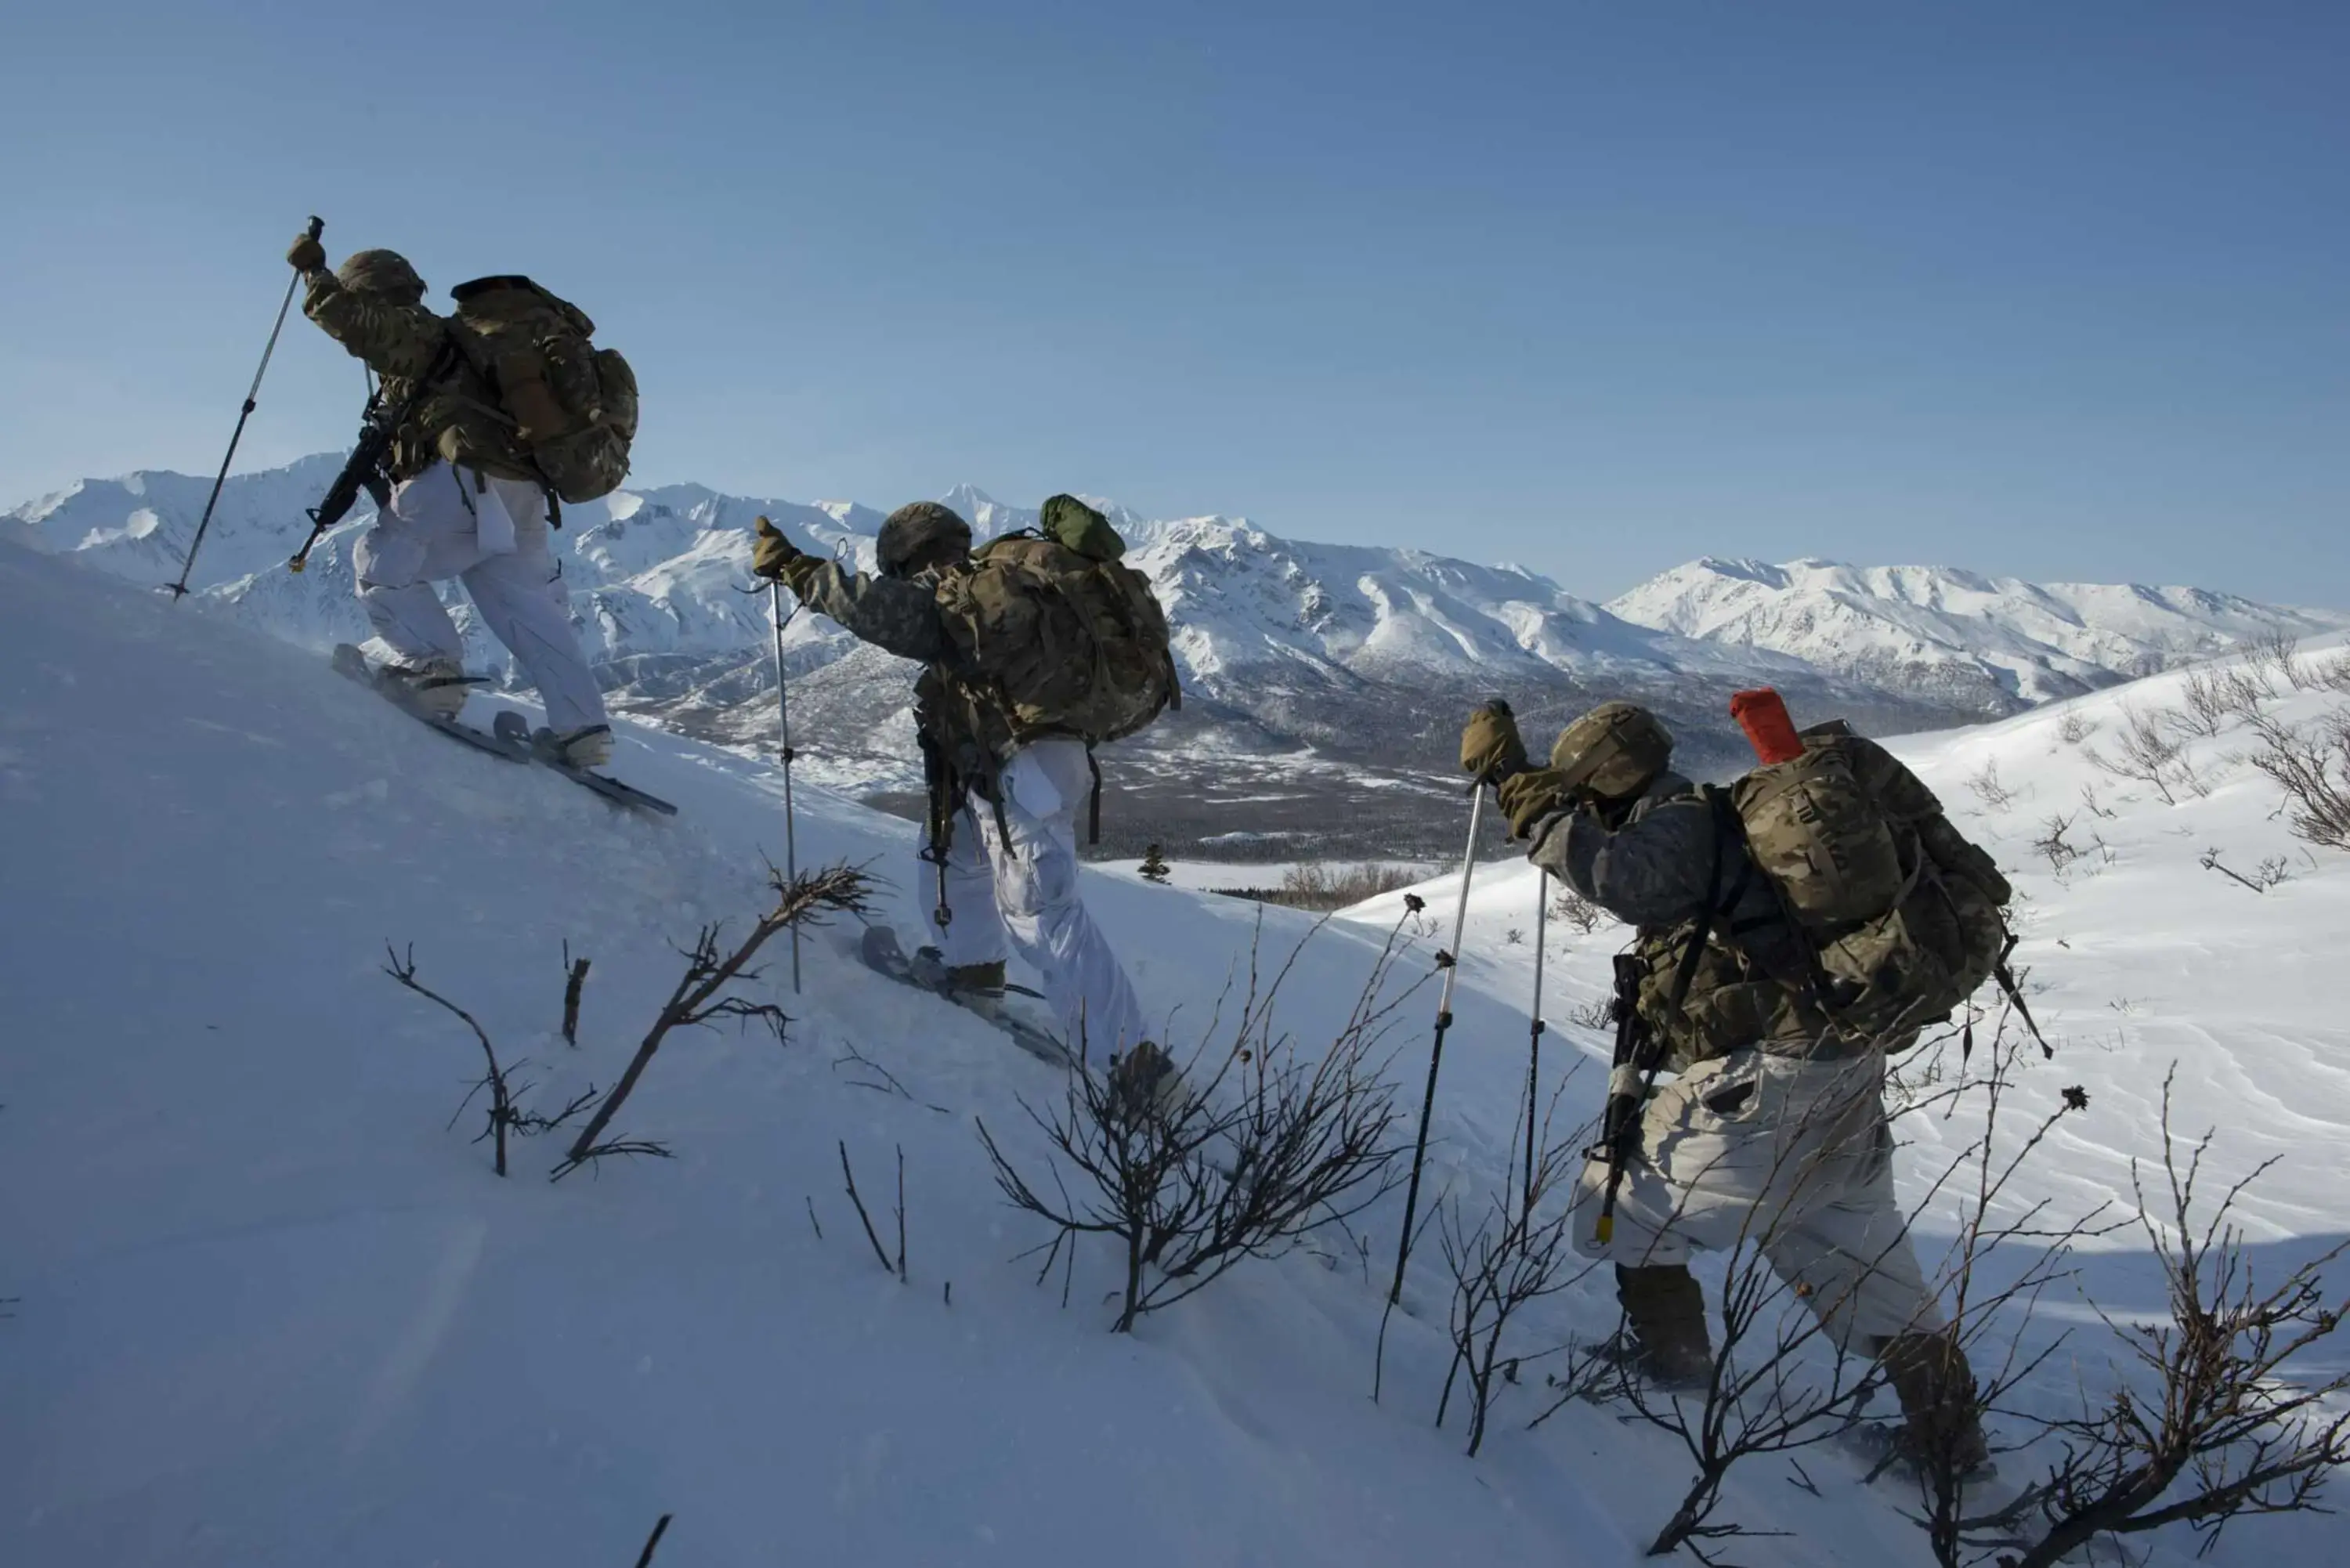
<point x="1062" y="635"/>
<point x="572" y="406"/>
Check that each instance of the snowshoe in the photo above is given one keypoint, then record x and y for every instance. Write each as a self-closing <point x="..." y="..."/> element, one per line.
<point x="562" y="755"/>
<point x="881" y="953"/>
<point x="403" y="686"/>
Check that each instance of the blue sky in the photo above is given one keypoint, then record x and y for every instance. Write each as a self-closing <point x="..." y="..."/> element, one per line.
<point x="2052" y="290"/>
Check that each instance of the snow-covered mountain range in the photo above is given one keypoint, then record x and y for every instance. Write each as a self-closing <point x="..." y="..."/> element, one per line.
<point x="1920" y="628"/>
<point x="1302" y="662"/>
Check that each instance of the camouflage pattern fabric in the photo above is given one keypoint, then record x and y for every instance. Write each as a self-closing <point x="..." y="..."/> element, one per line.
<point x="901" y="616"/>
<point x="571" y="406"/>
<point x="1655" y="867"/>
<point x="456" y="421"/>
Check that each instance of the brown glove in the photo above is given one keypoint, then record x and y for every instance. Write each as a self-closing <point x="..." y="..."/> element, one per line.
<point x="773" y="553"/>
<point x="305" y="255"/>
<point x="1530" y="794"/>
<point x="1489" y="747"/>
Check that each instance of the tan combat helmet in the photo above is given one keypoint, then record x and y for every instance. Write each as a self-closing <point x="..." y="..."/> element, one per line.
<point x="1613" y="750"/>
<point x="919" y="534"/>
<point x="384" y="275"/>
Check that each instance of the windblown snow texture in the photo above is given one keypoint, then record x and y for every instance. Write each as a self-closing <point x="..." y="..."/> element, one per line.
<point x="273" y="1309"/>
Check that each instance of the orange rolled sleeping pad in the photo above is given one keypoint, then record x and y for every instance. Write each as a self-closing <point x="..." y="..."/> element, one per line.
<point x="1767" y="729"/>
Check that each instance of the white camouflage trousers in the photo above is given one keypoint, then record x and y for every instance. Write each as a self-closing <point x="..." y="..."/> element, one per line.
<point x="493" y="538"/>
<point x="1793" y="1158"/>
<point x="1022" y="896"/>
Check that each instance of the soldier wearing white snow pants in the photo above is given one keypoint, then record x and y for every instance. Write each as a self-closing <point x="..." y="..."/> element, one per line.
<point x="1011" y="887"/>
<point x="467" y="502"/>
<point x="1791" y="1156"/>
<point x="1010" y="798"/>
<point x="491" y="535"/>
<point x="1773" y="1134"/>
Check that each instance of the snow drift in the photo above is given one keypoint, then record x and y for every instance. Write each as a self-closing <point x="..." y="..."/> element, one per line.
<point x="273" y="1309"/>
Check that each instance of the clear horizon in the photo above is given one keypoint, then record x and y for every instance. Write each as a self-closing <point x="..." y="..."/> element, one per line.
<point x="2052" y="296"/>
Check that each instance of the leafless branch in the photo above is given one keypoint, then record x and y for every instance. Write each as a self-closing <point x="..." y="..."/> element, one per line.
<point x="698" y="997"/>
<point x="849" y="1178"/>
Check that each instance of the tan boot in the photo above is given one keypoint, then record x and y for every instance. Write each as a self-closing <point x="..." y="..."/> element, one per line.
<point x="1664" y="1312"/>
<point x="1937" y="1389"/>
<point x="589" y="747"/>
<point x="432" y="686"/>
<point x="1144" y="1081"/>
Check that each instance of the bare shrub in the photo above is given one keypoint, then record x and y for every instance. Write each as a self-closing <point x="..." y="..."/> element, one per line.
<point x="2335" y="673"/>
<point x="1987" y="788"/>
<point x="2076" y="727"/>
<point x="2052" y="843"/>
<point x="2089" y="799"/>
<point x="699" y="996"/>
<point x="2144" y="753"/>
<point x="1511" y="1257"/>
<point x="1194" y="1185"/>
<point x="1988" y="1306"/>
<point x="505" y="1113"/>
<point x="1599" y="1013"/>
<point x="1574" y="909"/>
<point x="1322" y="887"/>
<point x="2201" y="713"/>
<point x="2277" y="652"/>
<point x="2267" y="875"/>
<point x="2220" y="1430"/>
<point x="2311" y="765"/>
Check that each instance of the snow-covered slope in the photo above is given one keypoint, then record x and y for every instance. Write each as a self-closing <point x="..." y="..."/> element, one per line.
<point x="1937" y="629"/>
<point x="273" y="1309"/>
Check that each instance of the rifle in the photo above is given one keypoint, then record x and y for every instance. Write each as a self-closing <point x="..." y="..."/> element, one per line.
<point x="1641" y="1050"/>
<point x="368" y="468"/>
<point x="1632" y="1070"/>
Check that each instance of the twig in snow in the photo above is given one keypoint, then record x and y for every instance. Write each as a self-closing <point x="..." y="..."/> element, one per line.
<point x="575" y="977"/>
<point x="870" y="1235"/>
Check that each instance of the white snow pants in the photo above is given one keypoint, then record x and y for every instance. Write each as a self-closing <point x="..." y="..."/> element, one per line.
<point x="440" y="524"/>
<point x="1021" y="895"/>
<point x="1793" y="1158"/>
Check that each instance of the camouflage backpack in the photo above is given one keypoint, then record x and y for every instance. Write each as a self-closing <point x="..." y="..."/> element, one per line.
<point x="1064" y="637"/>
<point x="571" y="405"/>
<point x="1902" y="911"/>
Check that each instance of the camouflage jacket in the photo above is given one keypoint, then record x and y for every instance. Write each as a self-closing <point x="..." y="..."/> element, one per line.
<point x="458" y="419"/>
<point x="1659" y="866"/>
<point x="960" y="728"/>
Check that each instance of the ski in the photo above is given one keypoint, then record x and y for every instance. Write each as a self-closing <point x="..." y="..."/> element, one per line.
<point x="352" y="664"/>
<point x="882" y="954"/>
<point x="539" y="746"/>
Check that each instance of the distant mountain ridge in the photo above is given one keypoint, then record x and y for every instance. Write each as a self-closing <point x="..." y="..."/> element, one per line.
<point x="1917" y="626"/>
<point x="1307" y="667"/>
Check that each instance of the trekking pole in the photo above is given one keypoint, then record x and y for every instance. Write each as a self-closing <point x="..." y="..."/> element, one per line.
<point x="783" y="709"/>
<point x="1534" y="1027"/>
<point x="252" y="399"/>
<point x="1449" y="962"/>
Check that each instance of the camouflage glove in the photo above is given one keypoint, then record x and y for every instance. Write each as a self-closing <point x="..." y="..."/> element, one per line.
<point x="1530" y="794"/>
<point x="306" y="255"/>
<point x="773" y="556"/>
<point x="1489" y="747"/>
